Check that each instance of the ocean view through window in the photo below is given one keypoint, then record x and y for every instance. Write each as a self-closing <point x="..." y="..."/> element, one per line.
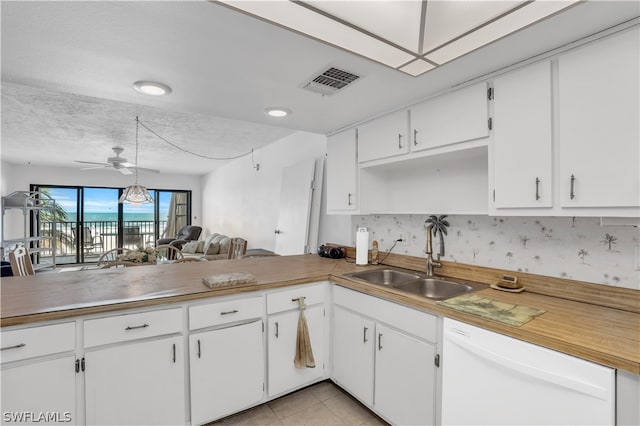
<point x="90" y="221"/>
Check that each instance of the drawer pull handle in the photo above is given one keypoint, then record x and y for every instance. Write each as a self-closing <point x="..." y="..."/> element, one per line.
<point x="277" y="330"/>
<point x="199" y="351"/>
<point x="235" y="311"/>
<point x="379" y="341"/>
<point x="537" y="189"/>
<point x="174" y="353"/>
<point x="18" y="346"/>
<point x="298" y="298"/>
<point x="364" y="335"/>
<point x="136" y="327"/>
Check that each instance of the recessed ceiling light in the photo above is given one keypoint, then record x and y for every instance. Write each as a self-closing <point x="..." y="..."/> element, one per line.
<point x="277" y="112"/>
<point x="152" y="88"/>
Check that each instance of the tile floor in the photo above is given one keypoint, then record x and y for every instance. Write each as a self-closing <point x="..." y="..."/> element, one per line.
<point x="321" y="404"/>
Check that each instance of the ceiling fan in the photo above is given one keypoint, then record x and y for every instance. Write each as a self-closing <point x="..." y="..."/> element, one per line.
<point x="117" y="163"/>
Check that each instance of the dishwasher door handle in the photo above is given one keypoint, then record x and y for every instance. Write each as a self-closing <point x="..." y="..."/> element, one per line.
<point x="522" y="368"/>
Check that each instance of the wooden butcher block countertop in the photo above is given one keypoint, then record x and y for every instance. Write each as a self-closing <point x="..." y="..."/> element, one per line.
<point x="597" y="333"/>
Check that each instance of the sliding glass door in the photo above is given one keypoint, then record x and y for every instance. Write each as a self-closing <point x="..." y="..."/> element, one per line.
<point x="90" y="220"/>
<point x="97" y="232"/>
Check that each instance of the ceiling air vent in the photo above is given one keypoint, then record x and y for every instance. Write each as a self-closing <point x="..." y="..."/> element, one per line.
<point x="330" y="81"/>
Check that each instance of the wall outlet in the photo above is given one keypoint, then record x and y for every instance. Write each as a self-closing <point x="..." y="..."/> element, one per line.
<point x="404" y="237"/>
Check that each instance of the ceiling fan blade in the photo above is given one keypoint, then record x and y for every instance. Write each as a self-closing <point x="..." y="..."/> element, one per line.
<point x="93" y="162"/>
<point x="144" y="170"/>
<point x="125" y="164"/>
<point x="96" y="168"/>
<point x="125" y="171"/>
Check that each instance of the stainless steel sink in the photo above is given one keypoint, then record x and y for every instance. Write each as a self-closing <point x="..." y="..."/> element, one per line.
<point x="386" y="277"/>
<point x="433" y="288"/>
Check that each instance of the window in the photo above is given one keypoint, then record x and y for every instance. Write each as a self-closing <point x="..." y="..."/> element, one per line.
<point x="91" y="221"/>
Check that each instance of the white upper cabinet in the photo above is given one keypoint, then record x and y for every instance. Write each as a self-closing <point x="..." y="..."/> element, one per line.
<point x="522" y="138"/>
<point x="341" y="171"/>
<point x="598" y="119"/>
<point x="384" y="137"/>
<point x="455" y="117"/>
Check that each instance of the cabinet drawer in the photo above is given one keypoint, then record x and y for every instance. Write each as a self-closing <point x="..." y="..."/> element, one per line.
<point x="37" y="341"/>
<point x="224" y="312"/>
<point x="420" y="324"/>
<point x="123" y="328"/>
<point x="287" y="299"/>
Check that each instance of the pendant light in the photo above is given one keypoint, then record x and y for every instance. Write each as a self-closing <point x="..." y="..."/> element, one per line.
<point x="136" y="194"/>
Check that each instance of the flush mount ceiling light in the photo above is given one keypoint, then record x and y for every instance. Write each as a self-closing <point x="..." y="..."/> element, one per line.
<point x="412" y="36"/>
<point x="152" y="88"/>
<point x="277" y="112"/>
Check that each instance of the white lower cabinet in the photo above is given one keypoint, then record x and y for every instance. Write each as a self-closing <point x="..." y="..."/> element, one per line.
<point x="138" y="383"/>
<point x="384" y="355"/>
<point x="43" y="392"/>
<point x="404" y="378"/>
<point x="353" y="343"/>
<point x="227" y="370"/>
<point x="39" y="375"/>
<point x="283" y="330"/>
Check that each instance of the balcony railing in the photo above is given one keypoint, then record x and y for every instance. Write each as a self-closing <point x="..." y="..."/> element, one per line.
<point x="99" y="237"/>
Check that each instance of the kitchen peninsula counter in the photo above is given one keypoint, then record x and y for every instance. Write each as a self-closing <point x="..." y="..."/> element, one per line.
<point x="587" y="330"/>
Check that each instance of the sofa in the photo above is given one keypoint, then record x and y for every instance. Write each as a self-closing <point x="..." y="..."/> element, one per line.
<point x="212" y="247"/>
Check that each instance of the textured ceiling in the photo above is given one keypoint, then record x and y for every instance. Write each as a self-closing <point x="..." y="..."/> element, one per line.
<point x="54" y="122"/>
<point x="68" y="67"/>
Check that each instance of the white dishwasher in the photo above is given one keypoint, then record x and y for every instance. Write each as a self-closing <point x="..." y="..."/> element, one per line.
<point x="491" y="379"/>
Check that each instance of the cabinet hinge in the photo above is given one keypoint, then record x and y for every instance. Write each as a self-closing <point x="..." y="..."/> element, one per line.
<point x="77" y="365"/>
<point x="490" y="93"/>
<point x="82" y="364"/>
<point x="490" y="123"/>
<point x="436" y="360"/>
<point x="313" y="185"/>
<point x="263" y="326"/>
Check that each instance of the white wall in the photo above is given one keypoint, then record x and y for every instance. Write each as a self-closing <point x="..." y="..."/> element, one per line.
<point x="240" y="201"/>
<point x="19" y="178"/>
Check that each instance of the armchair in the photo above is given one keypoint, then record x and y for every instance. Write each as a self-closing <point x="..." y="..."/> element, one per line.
<point x="185" y="234"/>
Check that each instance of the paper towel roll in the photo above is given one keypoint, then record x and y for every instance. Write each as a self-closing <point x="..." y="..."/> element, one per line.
<point x="362" y="246"/>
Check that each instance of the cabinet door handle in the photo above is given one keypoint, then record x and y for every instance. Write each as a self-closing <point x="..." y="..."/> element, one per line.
<point x="199" y="351"/>
<point x="174" y="353"/>
<point x="415" y="136"/>
<point x="18" y="346"/>
<point x="364" y="335"/>
<point x="136" y="327"/>
<point x="277" y="330"/>
<point x="537" y="188"/>
<point x="349" y="199"/>
<point x="399" y="141"/>
<point x="379" y="341"/>
<point x="235" y="311"/>
<point x="572" y="194"/>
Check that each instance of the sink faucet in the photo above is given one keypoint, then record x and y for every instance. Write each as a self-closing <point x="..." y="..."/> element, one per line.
<point x="430" y="262"/>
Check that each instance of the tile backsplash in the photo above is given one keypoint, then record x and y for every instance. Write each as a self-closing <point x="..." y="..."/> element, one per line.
<point x="576" y="248"/>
